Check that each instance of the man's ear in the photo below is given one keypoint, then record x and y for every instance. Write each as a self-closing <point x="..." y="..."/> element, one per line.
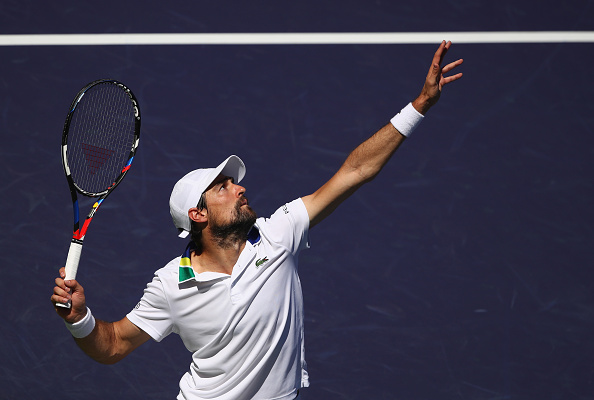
<point x="197" y="215"/>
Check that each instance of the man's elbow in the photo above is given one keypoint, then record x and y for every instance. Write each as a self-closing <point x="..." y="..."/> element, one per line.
<point x="364" y="175"/>
<point x="106" y="355"/>
<point x="107" y="359"/>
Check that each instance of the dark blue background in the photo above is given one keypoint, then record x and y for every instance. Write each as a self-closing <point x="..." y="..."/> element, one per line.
<point x="464" y="271"/>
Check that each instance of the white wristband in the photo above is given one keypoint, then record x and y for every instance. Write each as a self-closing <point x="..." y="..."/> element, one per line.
<point x="82" y="328"/>
<point x="407" y="120"/>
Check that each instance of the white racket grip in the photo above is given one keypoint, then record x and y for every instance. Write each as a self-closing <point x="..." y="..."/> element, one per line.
<point x="71" y="266"/>
<point x="72" y="260"/>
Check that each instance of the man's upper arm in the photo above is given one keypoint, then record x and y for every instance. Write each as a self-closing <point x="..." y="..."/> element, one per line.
<point x="130" y="336"/>
<point x="112" y="341"/>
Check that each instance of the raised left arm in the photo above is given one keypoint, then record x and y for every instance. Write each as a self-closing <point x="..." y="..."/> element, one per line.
<point x="367" y="160"/>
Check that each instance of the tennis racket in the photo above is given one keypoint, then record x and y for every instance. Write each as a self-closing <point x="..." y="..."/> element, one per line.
<point x="99" y="141"/>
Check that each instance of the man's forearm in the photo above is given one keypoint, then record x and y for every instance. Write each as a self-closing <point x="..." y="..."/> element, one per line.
<point x="369" y="157"/>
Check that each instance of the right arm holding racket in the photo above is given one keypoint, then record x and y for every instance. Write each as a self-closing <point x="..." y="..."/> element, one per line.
<point x="108" y="342"/>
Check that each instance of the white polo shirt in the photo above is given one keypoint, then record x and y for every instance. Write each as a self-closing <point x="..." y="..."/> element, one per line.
<point x="245" y="330"/>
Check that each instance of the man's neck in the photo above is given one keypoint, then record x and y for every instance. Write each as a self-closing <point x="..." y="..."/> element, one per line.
<point x="217" y="257"/>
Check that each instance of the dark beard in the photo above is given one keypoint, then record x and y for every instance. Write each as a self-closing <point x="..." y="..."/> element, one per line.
<point x="237" y="230"/>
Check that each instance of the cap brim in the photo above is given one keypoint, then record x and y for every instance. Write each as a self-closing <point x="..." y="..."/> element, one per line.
<point x="233" y="167"/>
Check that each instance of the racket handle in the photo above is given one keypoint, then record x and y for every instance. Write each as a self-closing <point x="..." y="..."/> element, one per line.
<point x="72" y="260"/>
<point x="72" y="265"/>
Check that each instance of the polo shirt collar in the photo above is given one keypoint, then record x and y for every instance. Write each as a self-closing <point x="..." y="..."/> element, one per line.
<point x="186" y="273"/>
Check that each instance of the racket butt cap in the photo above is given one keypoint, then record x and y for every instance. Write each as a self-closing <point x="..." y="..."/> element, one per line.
<point x="64" y="305"/>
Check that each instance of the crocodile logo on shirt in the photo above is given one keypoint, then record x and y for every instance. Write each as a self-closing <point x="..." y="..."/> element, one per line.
<point x="261" y="261"/>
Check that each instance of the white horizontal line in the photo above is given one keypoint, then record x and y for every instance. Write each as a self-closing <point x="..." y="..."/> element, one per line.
<point x="296" y="38"/>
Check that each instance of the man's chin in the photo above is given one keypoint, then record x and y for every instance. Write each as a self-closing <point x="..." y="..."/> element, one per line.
<point x="246" y="208"/>
<point x="251" y="210"/>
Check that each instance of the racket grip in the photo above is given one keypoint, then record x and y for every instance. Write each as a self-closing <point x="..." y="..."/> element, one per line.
<point x="72" y="265"/>
<point x="72" y="260"/>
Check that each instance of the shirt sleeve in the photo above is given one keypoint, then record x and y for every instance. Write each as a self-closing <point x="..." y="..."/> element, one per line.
<point x="152" y="313"/>
<point x="289" y="226"/>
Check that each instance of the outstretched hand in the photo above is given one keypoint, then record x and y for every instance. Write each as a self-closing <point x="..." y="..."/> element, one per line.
<point x="436" y="80"/>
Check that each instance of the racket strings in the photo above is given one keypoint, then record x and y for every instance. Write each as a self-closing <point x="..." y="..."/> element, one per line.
<point x="95" y="157"/>
<point x="101" y="136"/>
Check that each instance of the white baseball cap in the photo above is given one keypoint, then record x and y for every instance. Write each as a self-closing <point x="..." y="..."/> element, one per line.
<point x="187" y="191"/>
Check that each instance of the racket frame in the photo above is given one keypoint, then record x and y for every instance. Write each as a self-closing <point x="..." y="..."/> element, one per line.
<point x="79" y="232"/>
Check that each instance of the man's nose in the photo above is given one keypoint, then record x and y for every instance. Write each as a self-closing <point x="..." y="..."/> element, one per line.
<point x="239" y="190"/>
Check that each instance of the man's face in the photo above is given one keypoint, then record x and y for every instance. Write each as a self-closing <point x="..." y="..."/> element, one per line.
<point x="227" y="207"/>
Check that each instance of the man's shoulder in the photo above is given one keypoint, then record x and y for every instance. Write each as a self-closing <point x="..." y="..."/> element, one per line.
<point x="287" y="226"/>
<point x="170" y="270"/>
<point x="288" y="211"/>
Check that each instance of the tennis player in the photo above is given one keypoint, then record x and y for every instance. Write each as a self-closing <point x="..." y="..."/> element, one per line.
<point x="234" y="295"/>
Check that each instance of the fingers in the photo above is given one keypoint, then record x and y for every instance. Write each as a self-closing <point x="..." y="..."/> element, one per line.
<point x="446" y="47"/>
<point x="450" y="79"/>
<point x="441" y="52"/>
<point x="67" y="290"/>
<point x="59" y="299"/>
<point x="448" y="68"/>
<point x="451" y="66"/>
<point x="437" y="72"/>
<point x="62" y="293"/>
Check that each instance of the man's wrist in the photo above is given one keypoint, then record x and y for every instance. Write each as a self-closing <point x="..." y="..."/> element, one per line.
<point x="82" y="328"/>
<point x="407" y="120"/>
<point x="422" y="104"/>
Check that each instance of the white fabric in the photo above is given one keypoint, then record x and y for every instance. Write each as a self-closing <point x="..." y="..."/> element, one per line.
<point x="245" y="330"/>
<point x="407" y="120"/>
<point x="84" y="327"/>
